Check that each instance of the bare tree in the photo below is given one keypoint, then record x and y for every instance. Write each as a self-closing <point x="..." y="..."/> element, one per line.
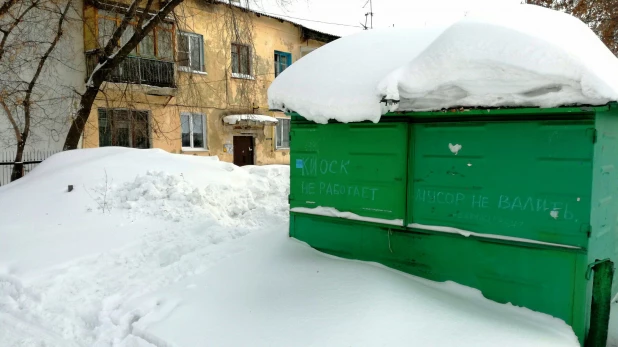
<point x="31" y="31"/>
<point x="600" y="15"/>
<point x="112" y="56"/>
<point x="137" y="21"/>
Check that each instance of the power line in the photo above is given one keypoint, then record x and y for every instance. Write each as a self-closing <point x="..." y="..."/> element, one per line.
<point x="308" y="20"/>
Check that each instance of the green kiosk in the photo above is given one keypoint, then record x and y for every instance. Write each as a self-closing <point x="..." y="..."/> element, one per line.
<point x="520" y="202"/>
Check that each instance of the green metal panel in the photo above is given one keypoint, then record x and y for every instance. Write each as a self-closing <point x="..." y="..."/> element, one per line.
<point x="515" y="177"/>
<point x="528" y="180"/>
<point x="604" y="209"/>
<point x="544" y="279"/>
<point x="358" y="168"/>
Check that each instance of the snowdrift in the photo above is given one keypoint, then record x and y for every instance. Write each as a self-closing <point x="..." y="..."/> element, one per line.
<point x="516" y="56"/>
<point x="117" y="193"/>
<point x="159" y="249"/>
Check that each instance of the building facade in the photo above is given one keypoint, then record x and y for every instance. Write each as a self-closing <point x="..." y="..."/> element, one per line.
<point x="198" y="84"/>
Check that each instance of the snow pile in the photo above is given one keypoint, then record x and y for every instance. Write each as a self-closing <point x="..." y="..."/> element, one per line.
<point x="521" y="55"/>
<point x="171" y="197"/>
<point x="122" y="194"/>
<point x="528" y="56"/>
<point x="338" y="81"/>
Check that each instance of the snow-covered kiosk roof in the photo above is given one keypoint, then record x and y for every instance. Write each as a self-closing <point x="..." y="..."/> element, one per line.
<point x="519" y="56"/>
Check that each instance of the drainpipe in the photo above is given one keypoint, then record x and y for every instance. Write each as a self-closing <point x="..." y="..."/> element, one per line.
<point x="601" y="302"/>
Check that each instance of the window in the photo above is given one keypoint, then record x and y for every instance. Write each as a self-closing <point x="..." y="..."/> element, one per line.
<point x="193" y="131"/>
<point x="283" y="133"/>
<point x="107" y="26"/>
<point x="165" y="45"/>
<point x="282" y="61"/>
<point x="191" y="51"/>
<point x="123" y="128"/>
<point x="162" y="35"/>
<point x="241" y="62"/>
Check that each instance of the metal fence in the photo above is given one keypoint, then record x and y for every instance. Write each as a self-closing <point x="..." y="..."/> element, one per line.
<point x="30" y="160"/>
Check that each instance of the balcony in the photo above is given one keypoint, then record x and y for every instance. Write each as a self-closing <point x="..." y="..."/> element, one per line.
<point x="137" y="70"/>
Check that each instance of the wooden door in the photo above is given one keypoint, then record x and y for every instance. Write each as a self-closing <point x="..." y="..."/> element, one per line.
<point x="243" y="150"/>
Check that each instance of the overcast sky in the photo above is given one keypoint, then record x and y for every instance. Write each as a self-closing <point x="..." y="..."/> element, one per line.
<point x="400" y="13"/>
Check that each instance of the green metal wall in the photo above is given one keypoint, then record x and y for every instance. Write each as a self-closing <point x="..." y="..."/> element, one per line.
<point x="358" y="168"/>
<point x="541" y="278"/>
<point x="603" y="241"/>
<point x="536" y="188"/>
<point x="521" y="179"/>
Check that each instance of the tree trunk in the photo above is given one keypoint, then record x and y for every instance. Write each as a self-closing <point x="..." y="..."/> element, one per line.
<point x="79" y="123"/>
<point x="146" y="24"/>
<point x="18" y="169"/>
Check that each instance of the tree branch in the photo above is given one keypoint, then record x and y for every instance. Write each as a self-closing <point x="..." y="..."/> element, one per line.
<point x="144" y="15"/>
<point x="6" y="7"/>
<point x="138" y="35"/>
<point x="111" y="44"/>
<point x="37" y="74"/>
<point x="11" y="119"/>
<point x="13" y="25"/>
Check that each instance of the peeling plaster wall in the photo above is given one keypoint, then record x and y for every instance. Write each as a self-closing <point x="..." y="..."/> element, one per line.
<point x="214" y="92"/>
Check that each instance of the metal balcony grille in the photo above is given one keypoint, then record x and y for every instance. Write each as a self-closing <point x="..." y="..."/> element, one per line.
<point x="137" y="70"/>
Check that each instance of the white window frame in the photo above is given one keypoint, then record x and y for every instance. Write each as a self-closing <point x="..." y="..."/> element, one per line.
<point x="203" y="62"/>
<point x="204" y="131"/>
<point x="277" y="133"/>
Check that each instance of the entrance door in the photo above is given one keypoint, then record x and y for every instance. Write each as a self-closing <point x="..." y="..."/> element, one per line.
<point x="243" y="150"/>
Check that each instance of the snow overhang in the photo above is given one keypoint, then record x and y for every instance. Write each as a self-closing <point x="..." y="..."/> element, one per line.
<point x="249" y="119"/>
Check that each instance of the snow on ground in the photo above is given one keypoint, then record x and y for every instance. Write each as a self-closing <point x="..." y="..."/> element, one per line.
<point x="280" y="292"/>
<point x="158" y="249"/>
<point x="136" y="221"/>
<point x="521" y="55"/>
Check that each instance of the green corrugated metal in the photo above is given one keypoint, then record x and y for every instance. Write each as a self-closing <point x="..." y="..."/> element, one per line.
<point x="536" y="188"/>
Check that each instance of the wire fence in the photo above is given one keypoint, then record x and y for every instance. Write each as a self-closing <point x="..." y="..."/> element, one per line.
<point x="30" y="160"/>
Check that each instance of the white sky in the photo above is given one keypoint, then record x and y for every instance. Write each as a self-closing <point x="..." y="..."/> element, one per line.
<point x="400" y="13"/>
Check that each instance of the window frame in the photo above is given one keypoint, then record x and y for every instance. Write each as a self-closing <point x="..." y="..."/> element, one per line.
<point x="280" y="54"/>
<point x="101" y="13"/>
<point x="277" y="133"/>
<point x="132" y="114"/>
<point x="204" y="132"/>
<point x="239" y="74"/>
<point x="200" y="37"/>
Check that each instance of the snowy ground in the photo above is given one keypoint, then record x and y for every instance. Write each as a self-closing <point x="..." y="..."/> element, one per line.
<point x="156" y="249"/>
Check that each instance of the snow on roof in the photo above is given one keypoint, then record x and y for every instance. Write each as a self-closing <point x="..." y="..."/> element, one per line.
<point x="515" y="56"/>
<point x="338" y="81"/>
<point x="233" y="119"/>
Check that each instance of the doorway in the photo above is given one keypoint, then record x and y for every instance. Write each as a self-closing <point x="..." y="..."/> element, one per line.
<point x="243" y="150"/>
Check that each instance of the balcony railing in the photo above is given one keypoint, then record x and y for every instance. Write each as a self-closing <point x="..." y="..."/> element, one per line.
<point x="137" y="70"/>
